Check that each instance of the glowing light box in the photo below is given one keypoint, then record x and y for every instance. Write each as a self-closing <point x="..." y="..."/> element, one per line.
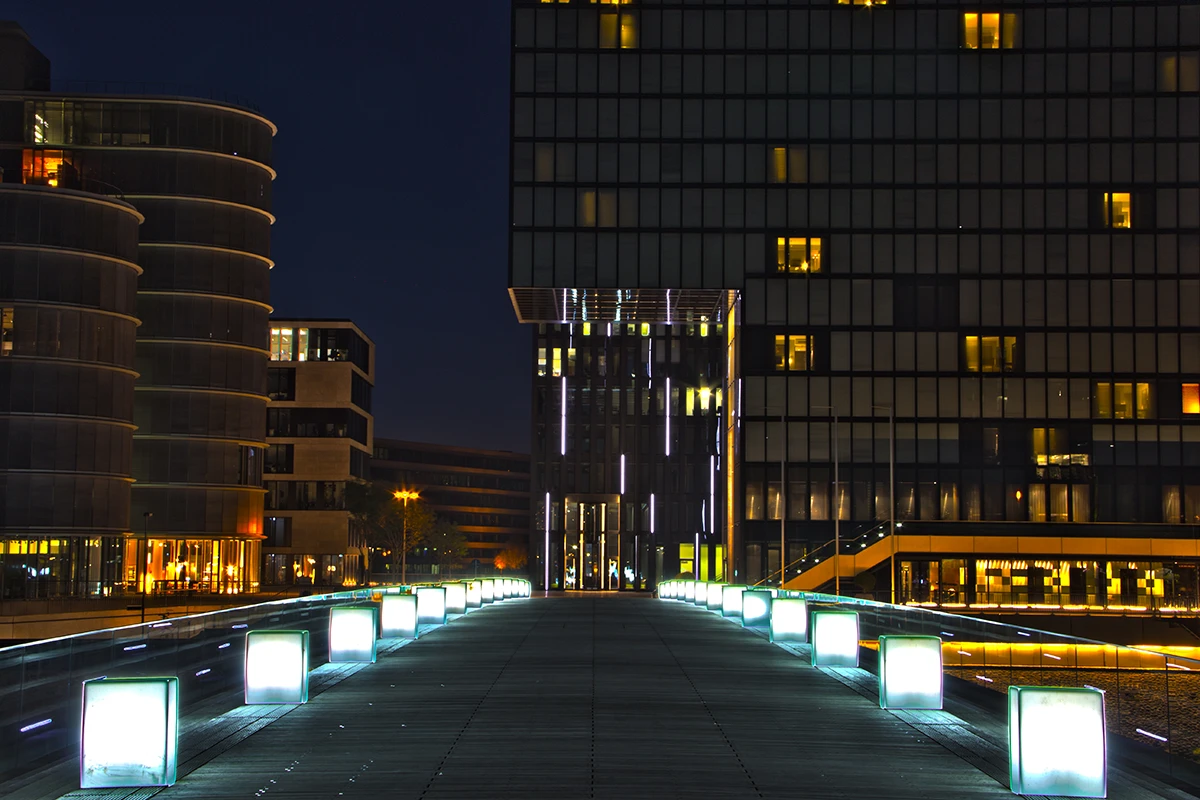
<point x="352" y="634"/>
<point x="789" y="619"/>
<point x="487" y="590"/>
<point x="689" y="591"/>
<point x="508" y="588"/>
<point x="431" y="605"/>
<point x="910" y="672"/>
<point x="456" y="598"/>
<point x="399" y="615"/>
<point x="670" y="590"/>
<point x="731" y="601"/>
<point x="1056" y="741"/>
<point x="716" y="596"/>
<point x="130" y="732"/>
<point x="756" y="608"/>
<point x="276" y="667"/>
<point x="834" y="638"/>
<point x="474" y="594"/>
<point x="700" y="594"/>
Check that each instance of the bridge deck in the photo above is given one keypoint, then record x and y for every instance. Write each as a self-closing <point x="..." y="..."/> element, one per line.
<point x="588" y="696"/>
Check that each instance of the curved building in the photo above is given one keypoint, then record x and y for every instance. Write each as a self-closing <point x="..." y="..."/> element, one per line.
<point x="68" y="276"/>
<point x="199" y="171"/>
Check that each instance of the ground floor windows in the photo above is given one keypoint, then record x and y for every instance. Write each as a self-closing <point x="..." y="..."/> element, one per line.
<point x="1049" y="584"/>
<point x="311" y="569"/>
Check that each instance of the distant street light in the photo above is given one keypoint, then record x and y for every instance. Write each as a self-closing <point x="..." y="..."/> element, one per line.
<point x="404" y="495"/>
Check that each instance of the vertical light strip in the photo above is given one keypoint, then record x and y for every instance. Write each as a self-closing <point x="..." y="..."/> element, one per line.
<point x="622" y="473"/>
<point x="668" y="306"/>
<point x="712" y="492"/>
<point x="564" y="317"/>
<point x="652" y="513"/>
<point x="563" y="420"/>
<point x="667" y="408"/>
<point x="696" y="558"/>
<point x="546" y="585"/>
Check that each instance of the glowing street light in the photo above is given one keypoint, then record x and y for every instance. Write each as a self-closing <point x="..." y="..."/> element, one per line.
<point x="404" y="495"/>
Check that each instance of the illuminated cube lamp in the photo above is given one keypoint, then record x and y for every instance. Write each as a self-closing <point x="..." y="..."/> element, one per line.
<point x="716" y="596"/>
<point x="910" y="672"/>
<point x="666" y="590"/>
<point x="431" y="605"/>
<point x="731" y="601"/>
<point x="689" y="592"/>
<point x="487" y="590"/>
<point x="474" y="594"/>
<point x="498" y="589"/>
<point x="1056" y="741"/>
<point x="789" y="619"/>
<point x="756" y="608"/>
<point x="399" y="616"/>
<point x="352" y="634"/>
<point x="456" y="598"/>
<point x="130" y="732"/>
<point x="276" y="667"/>
<point x="506" y="583"/>
<point x="834" y="638"/>
<point x="700" y="595"/>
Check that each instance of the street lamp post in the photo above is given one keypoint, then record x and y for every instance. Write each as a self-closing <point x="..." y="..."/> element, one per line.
<point x="405" y="495"/>
<point x="146" y="515"/>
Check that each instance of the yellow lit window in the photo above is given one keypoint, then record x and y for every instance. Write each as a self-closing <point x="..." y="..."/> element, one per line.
<point x="989" y="31"/>
<point x="598" y="208"/>
<point x="705" y="395"/>
<point x="788" y="165"/>
<point x="1191" y="398"/>
<point x="282" y="348"/>
<point x="990" y="353"/>
<point x="618" y="30"/>
<point x="1117" y="210"/>
<point x="645" y="329"/>
<point x="799" y="352"/>
<point x="541" y="362"/>
<point x="862" y="2"/>
<point x="1181" y="73"/>
<point x="1123" y="400"/>
<point x="587" y="208"/>
<point x="798" y="255"/>
<point x="6" y="332"/>
<point x="1145" y="401"/>
<point x="570" y="362"/>
<point x="780" y="352"/>
<point x="45" y="167"/>
<point x="556" y="363"/>
<point x="687" y="563"/>
<point x="703" y="329"/>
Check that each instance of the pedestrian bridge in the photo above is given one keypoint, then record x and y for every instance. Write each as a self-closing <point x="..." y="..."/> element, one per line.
<point x="579" y="695"/>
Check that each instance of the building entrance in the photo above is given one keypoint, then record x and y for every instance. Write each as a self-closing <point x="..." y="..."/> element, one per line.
<point x="592" y="546"/>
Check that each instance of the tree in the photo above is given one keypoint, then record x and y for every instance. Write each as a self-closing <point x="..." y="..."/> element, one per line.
<point x="511" y="558"/>
<point x="445" y="543"/>
<point x="391" y="526"/>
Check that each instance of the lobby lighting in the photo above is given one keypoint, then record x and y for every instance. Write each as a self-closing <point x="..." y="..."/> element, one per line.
<point x="910" y="672"/>
<point x="431" y="605"/>
<point x="756" y="608"/>
<point x="352" y="634"/>
<point x="130" y="732"/>
<point x="731" y="601"/>
<point x="399" y="616"/>
<point x="834" y="638"/>
<point x="456" y="598"/>
<point x="276" y="667"/>
<point x="789" y="619"/>
<point x="1057" y="743"/>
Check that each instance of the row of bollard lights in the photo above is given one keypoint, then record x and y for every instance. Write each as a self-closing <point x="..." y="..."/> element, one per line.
<point x="1056" y="734"/>
<point x="131" y="725"/>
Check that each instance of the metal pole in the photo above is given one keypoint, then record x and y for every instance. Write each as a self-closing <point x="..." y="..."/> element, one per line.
<point x="404" y="543"/>
<point x="837" y="515"/>
<point x="782" y="494"/>
<point x="892" y="493"/>
<point x="146" y="515"/>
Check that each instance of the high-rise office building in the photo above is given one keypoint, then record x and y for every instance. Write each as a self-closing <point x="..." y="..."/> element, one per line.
<point x="198" y="171"/>
<point x="319" y="437"/>
<point x="956" y="250"/>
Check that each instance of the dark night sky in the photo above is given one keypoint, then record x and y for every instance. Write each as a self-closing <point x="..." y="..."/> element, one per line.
<point x="392" y="158"/>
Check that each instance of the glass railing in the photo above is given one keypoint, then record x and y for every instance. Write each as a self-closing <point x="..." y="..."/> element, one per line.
<point x="1152" y="695"/>
<point x="40" y="682"/>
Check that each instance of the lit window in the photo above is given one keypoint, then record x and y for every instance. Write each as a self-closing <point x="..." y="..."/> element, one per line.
<point x="302" y="344"/>
<point x="587" y="329"/>
<point x="570" y="362"/>
<point x="703" y="329"/>
<point x="541" y="364"/>
<point x="1051" y="447"/>
<point x="556" y="363"/>
<point x="6" y="332"/>
<point x="1181" y="73"/>
<point x="645" y="329"/>
<point x="618" y="30"/>
<point x="788" y="165"/>
<point x="281" y="344"/>
<point x="990" y="353"/>
<point x="1191" y="398"/>
<point x="989" y="31"/>
<point x="1123" y="400"/>
<point x="780" y="352"/>
<point x="862" y="2"/>
<point x="46" y="168"/>
<point x="799" y="352"/>
<point x="1117" y="211"/>
<point x="798" y="255"/>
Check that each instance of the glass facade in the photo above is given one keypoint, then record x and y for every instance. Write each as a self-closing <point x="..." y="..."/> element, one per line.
<point x="68" y="276"/>
<point x="200" y="174"/>
<point x="983" y="222"/>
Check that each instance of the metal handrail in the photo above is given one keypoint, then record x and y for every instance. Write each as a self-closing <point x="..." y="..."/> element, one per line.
<point x="826" y="551"/>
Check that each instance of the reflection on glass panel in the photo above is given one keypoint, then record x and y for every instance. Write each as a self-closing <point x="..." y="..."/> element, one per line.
<point x="1180" y="73"/>
<point x="754" y="500"/>
<point x="543" y="162"/>
<point x="1037" y="502"/>
<point x="949" y="500"/>
<point x="774" y="500"/>
<point x="1081" y="505"/>
<point x="788" y="165"/>
<point x="1117" y="210"/>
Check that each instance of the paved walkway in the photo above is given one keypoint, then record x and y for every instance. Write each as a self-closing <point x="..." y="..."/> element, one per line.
<point x="588" y="696"/>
